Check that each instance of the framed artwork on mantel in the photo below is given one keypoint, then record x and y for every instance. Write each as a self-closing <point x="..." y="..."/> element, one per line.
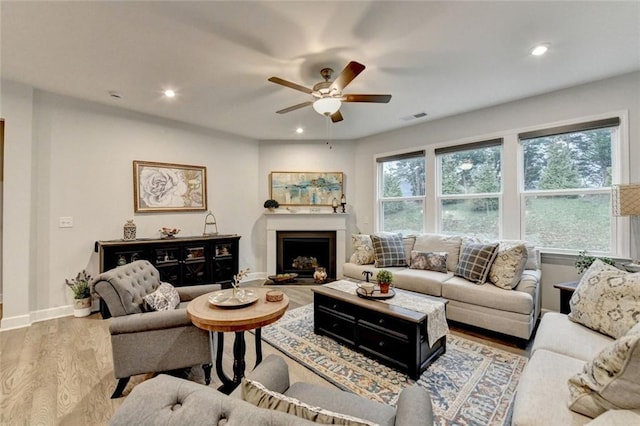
<point x="306" y="188"/>
<point x="167" y="187"/>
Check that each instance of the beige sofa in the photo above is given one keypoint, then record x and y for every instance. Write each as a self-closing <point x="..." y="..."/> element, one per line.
<point x="511" y="312"/>
<point x="560" y="350"/>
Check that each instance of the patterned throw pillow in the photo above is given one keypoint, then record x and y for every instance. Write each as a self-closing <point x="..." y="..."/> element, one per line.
<point x="507" y="268"/>
<point x="389" y="250"/>
<point x="257" y="394"/>
<point x="611" y="380"/>
<point x="429" y="260"/>
<point x="165" y="298"/>
<point x="475" y="261"/>
<point x="362" y="250"/>
<point x="607" y="300"/>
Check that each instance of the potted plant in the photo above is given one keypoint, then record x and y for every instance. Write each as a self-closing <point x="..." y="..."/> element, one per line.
<point x="583" y="261"/>
<point x="271" y="205"/>
<point x="384" y="278"/>
<point x="81" y="287"/>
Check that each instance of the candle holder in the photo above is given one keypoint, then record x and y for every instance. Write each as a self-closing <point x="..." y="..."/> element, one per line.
<point x="343" y="202"/>
<point x="343" y="207"/>
<point x="334" y="205"/>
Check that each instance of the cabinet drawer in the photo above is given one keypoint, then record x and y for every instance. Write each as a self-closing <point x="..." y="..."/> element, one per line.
<point x="338" y="327"/>
<point x="334" y="305"/>
<point x="383" y="345"/>
<point x="404" y="329"/>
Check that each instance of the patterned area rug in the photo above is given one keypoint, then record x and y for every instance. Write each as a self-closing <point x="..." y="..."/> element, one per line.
<point x="471" y="384"/>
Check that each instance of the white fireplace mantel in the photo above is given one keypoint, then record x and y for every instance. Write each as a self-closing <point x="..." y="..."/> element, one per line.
<point x="306" y="222"/>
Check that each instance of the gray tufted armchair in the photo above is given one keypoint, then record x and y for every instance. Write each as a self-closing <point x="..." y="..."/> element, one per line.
<point x="150" y="342"/>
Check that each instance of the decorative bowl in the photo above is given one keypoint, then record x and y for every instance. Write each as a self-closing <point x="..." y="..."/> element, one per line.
<point x="169" y="232"/>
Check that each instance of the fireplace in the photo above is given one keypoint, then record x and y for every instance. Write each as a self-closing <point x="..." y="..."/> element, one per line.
<point x="301" y="252"/>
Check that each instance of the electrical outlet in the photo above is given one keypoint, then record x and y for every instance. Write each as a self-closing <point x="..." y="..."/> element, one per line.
<point x="66" y="222"/>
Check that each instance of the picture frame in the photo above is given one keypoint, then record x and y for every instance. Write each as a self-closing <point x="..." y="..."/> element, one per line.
<point x="168" y="187"/>
<point x="306" y="188"/>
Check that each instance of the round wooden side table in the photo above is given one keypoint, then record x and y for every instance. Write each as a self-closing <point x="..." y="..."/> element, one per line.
<point x="216" y="319"/>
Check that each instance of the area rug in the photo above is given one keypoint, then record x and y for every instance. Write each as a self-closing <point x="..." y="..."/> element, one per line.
<point x="471" y="384"/>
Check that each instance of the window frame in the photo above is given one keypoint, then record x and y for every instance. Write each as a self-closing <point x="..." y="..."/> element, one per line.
<point x="380" y="199"/>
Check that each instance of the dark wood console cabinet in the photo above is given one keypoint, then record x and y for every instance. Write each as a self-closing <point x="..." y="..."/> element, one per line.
<point x="181" y="261"/>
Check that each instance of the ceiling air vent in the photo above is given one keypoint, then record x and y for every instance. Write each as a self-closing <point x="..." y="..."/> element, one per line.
<point x="414" y="116"/>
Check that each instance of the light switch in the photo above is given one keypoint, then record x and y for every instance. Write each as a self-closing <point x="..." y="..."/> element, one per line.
<point x="66" y="222"/>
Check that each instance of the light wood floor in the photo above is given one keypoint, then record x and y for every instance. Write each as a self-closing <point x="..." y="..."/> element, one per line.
<point x="59" y="372"/>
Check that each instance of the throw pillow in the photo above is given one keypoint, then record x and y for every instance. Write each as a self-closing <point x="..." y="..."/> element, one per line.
<point x="429" y="261"/>
<point x="258" y="395"/>
<point x="362" y="250"/>
<point x="388" y="250"/>
<point x="611" y="380"/>
<point x="475" y="261"/>
<point x="533" y="261"/>
<point x="436" y="243"/>
<point x="607" y="300"/>
<point x="507" y="268"/>
<point x="165" y="298"/>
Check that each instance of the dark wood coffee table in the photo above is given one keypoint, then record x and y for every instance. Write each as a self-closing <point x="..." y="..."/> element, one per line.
<point x="391" y="334"/>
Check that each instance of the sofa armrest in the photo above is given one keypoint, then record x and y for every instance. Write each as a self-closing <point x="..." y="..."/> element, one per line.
<point x="273" y="373"/>
<point x="189" y="293"/>
<point x="136" y="323"/>
<point x="617" y="418"/>
<point x="414" y="407"/>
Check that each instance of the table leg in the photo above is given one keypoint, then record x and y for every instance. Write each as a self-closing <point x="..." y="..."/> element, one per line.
<point x="258" y="334"/>
<point x="239" y="351"/>
<point x="227" y="384"/>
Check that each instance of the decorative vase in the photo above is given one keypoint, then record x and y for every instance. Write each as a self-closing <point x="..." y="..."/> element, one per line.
<point x="82" y="307"/>
<point x="320" y="275"/>
<point x="384" y="288"/>
<point x="129" y="231"/>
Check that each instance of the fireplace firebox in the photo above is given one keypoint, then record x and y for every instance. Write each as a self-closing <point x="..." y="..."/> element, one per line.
<point x="301" y="252"/>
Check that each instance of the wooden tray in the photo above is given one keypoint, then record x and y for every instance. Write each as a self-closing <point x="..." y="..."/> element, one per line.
<point x="376" y="294"/>
<point x="283" y="278"/>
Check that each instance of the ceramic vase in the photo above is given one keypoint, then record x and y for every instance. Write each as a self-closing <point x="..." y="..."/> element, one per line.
<point x="129" y="231"/>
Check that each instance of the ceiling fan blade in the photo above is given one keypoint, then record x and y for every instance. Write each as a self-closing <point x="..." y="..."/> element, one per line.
<point x="295" y="107"/>
<point x="290" y="85"/>
<point x="347" y="75"/>
<point x="336" y="116"/>
<point x="382" y="99"/>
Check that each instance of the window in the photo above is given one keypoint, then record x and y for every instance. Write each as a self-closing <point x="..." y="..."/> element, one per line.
<point x="470" y="189"/>
<point x="401" y="193"/>
<point x="566" y="196"/>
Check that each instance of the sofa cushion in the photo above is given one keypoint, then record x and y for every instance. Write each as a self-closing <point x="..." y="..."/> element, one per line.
<point x="428" y="260"/>
<point x="420" y="281"/>
<point x="362" y="250"/>
<point x="389" y="250"/>
<point x="557" y="333"/>
<point x="542" y="393"/>
<point x="342" y="402"/>
<point x="475" y="261"/>
<point x="611" y="380"/>
<point x="438" y="243"/>
<point x="607" y="299"/>
<point x="457" y="288"/>
<point x="254" y="393"/>
<point x="165" y="298"/>
<point x="508" y="265"/>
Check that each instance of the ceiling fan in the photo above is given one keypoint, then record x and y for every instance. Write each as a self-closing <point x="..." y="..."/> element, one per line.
<point x="328" y="94"/>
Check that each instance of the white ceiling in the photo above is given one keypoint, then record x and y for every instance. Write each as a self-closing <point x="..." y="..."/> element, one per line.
<point x="442" y="58"/>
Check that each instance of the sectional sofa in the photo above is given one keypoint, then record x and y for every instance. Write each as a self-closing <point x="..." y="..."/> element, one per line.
<point x="510" y="305"/>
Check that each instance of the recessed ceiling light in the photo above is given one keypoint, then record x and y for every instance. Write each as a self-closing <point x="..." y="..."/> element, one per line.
<point x="299" y="130"/>
<point x="540" y="50"/>
<point x="170" y="93"/>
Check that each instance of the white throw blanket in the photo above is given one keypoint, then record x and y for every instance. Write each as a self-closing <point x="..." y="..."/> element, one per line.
<point x="437" y="321"/>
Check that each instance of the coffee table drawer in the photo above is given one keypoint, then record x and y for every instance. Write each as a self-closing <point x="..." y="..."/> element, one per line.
<point x="384" y="345"/>
<point x="337" y="326"/>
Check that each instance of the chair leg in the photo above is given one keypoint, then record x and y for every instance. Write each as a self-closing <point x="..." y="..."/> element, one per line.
<point x="207" y="373"/>
<point x="122" y="383"/>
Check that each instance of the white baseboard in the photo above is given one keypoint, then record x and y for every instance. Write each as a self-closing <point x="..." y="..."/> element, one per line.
<point x="35" y="316"/>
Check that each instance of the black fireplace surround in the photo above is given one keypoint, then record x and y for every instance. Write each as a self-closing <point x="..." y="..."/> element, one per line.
<point x="301" y="252"/>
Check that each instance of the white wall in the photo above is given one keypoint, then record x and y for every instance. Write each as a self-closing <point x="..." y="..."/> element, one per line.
<point x="82" y="157"/>
<point x="312" y="156"/>
<point x="606" y="96"/>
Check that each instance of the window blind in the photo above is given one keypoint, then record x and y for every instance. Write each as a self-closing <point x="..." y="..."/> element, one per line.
<point x="469" y="146"/>
<point x="403" y="156"/>
<point x="571" y="128"/>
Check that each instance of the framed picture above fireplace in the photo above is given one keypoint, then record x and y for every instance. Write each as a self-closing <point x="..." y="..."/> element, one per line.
<point x="306" y="188"/>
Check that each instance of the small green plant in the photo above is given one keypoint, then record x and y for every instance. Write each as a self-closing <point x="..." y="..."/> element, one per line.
<point x="384" y="276"/>
<point x="583" y="261"/>
<point x="80" y="285"/>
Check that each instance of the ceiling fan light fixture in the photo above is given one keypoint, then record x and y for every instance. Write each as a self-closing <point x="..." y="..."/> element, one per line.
<point x="327" y="106"/>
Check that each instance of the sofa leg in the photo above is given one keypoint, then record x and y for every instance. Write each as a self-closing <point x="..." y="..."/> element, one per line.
<point x="122" y="383"/>
<point x="207" y="373"/>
